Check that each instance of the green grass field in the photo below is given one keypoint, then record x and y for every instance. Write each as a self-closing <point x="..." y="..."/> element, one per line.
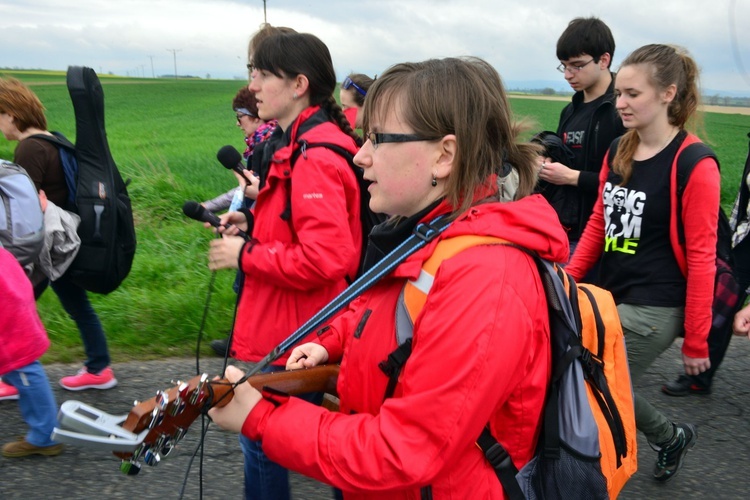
<point x="164" y="135"/>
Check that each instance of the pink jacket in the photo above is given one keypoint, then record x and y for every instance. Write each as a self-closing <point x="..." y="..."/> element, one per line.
<point x="294" y="267"/>
<point x="481" y="354"/>
<point x="697" y="259"/>
<point x="23" y="339"/>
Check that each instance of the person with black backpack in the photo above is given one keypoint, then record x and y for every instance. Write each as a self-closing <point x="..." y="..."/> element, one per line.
<point x="662" y="280"/>
<point x="21" y="117"/>
<point x="305" y="228"/>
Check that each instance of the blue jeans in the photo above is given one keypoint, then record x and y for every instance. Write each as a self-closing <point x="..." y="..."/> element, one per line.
<point x="36" y="402"/>
<point x="76" y="303"/>
<point x="264" y="479"/>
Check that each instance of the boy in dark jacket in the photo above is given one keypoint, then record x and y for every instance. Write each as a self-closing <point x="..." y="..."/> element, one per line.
<point x="587" y="125"/>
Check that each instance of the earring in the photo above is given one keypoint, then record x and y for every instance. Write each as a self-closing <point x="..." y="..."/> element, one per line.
<point x="295" y="96"/>
<point x="434" y="180"/>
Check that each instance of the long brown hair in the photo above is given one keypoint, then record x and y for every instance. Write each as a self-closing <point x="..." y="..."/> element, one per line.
<point x="664" y="65"/>
<point x="464" y="97"/>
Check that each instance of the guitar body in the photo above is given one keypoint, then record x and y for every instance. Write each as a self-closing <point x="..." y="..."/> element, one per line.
<point x="170" y="413"/>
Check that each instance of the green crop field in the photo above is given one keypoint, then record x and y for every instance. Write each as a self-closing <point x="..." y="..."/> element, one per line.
<point x="164" y="135"/>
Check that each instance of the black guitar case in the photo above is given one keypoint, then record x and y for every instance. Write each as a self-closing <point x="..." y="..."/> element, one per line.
<point x="107" y="231"/>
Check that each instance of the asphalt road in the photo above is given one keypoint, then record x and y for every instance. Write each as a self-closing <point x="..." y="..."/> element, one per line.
<point x="716" y="468"/>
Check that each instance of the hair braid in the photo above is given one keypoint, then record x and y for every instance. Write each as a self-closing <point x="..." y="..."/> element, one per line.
<point x="335" y="112"/>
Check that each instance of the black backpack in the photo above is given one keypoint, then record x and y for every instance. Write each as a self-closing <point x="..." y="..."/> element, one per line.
<point x="96" y="191"/>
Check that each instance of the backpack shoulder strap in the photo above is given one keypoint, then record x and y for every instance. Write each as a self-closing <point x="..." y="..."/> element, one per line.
<point x="414" y="295"/>
<point x="411" y="301"/>
<point x="67" y="152"/>
<point x="415" y="291"/>
<point x="687" y="160"/>
<point x="301" y="149"/>
<point x="57" y="138"/>
<point x="304" y="146"/>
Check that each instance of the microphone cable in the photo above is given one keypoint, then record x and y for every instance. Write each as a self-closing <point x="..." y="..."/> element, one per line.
<point x="205" y="421"/>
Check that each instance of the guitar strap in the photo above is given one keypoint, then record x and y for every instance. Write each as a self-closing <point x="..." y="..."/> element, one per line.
<point x="422" y="234"/>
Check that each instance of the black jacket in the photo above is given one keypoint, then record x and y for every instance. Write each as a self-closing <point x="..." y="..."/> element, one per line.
<point x="604" y="127"/>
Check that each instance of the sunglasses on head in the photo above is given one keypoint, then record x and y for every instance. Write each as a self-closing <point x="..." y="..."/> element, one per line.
<point x="348" y="83"/>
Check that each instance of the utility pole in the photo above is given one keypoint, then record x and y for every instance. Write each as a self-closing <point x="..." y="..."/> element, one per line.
<point x="174" y="54"/>
<point x="152" y="66"/>
<point x="265" y="20"/>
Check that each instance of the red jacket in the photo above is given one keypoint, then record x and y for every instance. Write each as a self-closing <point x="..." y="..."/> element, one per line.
<point x="697" y="259"/>
<point x="480" y="354"/>
<point x="23" y="339"/>
<point x="294" y="267"/>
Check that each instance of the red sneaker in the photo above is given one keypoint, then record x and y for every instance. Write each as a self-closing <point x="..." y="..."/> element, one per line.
<point x="105" y="379"/>
<point x="7" y="392"/>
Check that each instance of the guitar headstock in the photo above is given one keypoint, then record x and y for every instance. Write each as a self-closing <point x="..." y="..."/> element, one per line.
<point x="168" y="416"/>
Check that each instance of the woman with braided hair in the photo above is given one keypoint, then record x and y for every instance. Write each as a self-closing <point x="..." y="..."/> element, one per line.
<point x="305" y="226"/>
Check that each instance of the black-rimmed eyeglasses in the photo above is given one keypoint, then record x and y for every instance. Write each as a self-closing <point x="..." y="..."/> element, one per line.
<point x="377" y="139"/>
<point x="348" y="83"/>
<point x="573" y="68"/>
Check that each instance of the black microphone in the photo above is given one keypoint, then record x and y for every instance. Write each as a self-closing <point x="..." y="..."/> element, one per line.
<point x="231" y="159"/>
<point x="198" y="212"/>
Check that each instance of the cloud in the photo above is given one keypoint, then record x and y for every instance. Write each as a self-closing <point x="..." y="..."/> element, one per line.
<point x="367" y="36"/>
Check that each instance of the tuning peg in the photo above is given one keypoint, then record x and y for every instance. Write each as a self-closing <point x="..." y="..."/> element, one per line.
<point x="199" y="391"/>
<point x="156" y="418"/>
<point x="176" y="407"/>
<point x="151" y="458"/>
<point x="167" y="447"/>
<point x="162" y="400"/>
<point x="130" y="467"/>
<point x="138" y="452"/>
<point x="183" y="389"/>
<point x="178" y="434"/>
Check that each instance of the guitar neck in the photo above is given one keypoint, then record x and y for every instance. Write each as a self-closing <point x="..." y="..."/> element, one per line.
<point x="179" y="406"/>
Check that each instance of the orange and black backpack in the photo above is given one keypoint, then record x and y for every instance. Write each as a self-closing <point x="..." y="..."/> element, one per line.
<point x="587" y="446"/>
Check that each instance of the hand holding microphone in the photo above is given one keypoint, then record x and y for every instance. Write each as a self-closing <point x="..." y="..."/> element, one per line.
<point x="198" y="212"/>
<point x="224" y="252"/>
<point x="231" y="159"/>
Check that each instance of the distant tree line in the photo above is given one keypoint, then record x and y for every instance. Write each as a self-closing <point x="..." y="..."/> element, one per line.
<point x="712" y="100"/>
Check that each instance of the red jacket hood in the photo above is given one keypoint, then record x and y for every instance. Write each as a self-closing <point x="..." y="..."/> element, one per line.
<point x="530" y="223"/>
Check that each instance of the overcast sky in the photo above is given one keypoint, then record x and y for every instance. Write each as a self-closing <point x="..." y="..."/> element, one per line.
<point x="210" y="37"/>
